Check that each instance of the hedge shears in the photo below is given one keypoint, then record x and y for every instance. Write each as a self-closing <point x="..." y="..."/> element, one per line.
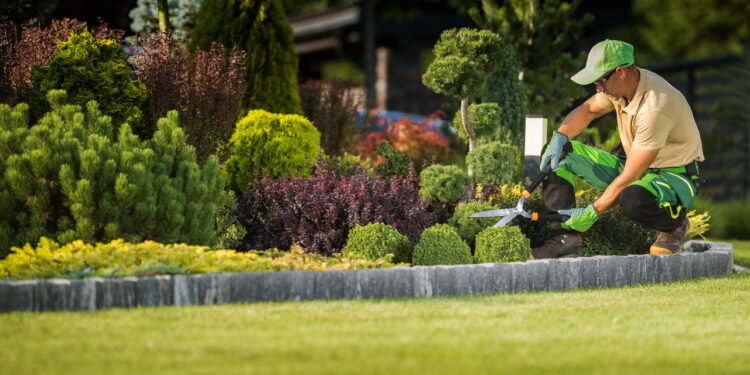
<point x="508" y="214"/>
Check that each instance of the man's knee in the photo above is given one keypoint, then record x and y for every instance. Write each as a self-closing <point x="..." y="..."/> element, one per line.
<point x="633" y="199"/>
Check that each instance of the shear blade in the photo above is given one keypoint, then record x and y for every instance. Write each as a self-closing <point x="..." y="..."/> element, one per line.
<point x="505" y="220"/>
<point x="496" y="213"/>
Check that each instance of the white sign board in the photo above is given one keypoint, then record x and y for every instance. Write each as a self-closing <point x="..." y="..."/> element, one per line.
<point x="536" y="135"/>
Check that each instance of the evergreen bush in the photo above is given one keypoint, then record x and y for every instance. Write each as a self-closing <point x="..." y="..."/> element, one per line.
<point x="502" y="244"/>
<point x="441" y="244"/>
<point x="469" y="227"/>
<point x="72" y="177"/>
<point x="444" y="183"/>
<point x="279" y="145"/>
<point x="182" y="15"/>
<point x="91" y="69"/>
<point x="261" y="29"/>
<point x="119" y="258"/>
<point x="376" y="240"/>
<point x="493" y="163"/>
<point x="485" y="118"/>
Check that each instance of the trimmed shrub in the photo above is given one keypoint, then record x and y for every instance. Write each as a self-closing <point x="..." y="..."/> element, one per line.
<point x="484" y="119"/>
<point x="444" y="183"/>
<point x="119" y="258"/>
<point x="375" y="240"/>
<point x="92" y="69"/>
<point x="332" y="108"/>
<point x="441" y="244"/>
<point x="493" y="163"/>
<point x="394" y="162"/>
<point x="318" y="212"/>
<point x="279" y="145"/>
<point x="72" y="177"/>
<point x="176" y="80"/>
<point x="468" y="227"/>
<point x="502" y="244"/>
<point x="261" y="29"/>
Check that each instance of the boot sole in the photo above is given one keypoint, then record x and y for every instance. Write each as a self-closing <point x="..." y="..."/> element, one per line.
<point x="661" y="251"/>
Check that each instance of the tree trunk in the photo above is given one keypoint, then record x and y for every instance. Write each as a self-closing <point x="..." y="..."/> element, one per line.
<point x="163" y="15"/>
<point x="468" y="129"/>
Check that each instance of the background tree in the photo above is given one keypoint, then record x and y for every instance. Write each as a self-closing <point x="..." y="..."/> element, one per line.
<point x="260" y="28"/>
<point x="541" y="31"/>
<point x="20" y="11"/>
<point x="182" y="15"/>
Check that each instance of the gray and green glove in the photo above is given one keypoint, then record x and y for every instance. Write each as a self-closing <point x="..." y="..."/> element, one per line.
<point x="581" y="219"/>
<point x="553" y="152"/>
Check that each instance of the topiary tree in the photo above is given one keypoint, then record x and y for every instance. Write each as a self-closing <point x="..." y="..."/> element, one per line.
<point x="91" y="69"/>
<point x="443" y="183"/>
<point x="260" y="28"/>
<point x="484" y="118"/>
<point x="376" y="240"/>
<point x="502" y="244"/>
<point x="71" y="176"/>
<point x="493" y="163"/>
<point x="441" y="244"/>
<point x="478" y="66"/>
<point x="280" y="145"/>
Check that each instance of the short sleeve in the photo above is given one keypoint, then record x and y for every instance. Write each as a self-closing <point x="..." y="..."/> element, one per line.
<point x="652" y="131"/>
<point x="602" y="101"/>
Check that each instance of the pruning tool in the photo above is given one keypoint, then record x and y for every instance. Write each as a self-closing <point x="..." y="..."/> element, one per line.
<point x="509" y="214"/>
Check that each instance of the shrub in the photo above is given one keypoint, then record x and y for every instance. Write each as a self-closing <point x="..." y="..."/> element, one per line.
<point x="318" y="212"/>
<point x="375" y="240"/>
<point x="394" y="162"/>
<point x="468" y="227"/>
<point x="484" y="119"/>
<point x="91" y="69"/>
<point x="444" y="183"/>
<point x="441" y="244"/>
<point x="343" y="166"/>
<point x="280" y="145"/>
<point x="71" y="177"/>
<point x="261" y="29"/>
<point x="176" y="80"/>
<point x="119" y="258"/>
<point x="730" y="220"/>
<point x="182" y="14"/>
<point x="698" y="224"/>
<point x="615" y="233"/>
<point x="493" y="163"/>
<point x="418" y="140"/>
<point x="332" y="108"/>
<point x="34" y="47"/>
<point x="502" y="244"/>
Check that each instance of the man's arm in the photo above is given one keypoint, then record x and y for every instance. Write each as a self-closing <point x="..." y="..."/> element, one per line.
<point x="635" y="167"/>
<point x="580" y="118"/>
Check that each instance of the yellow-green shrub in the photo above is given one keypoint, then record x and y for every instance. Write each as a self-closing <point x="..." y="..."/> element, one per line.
<point x="502" y="244"/>
<point x="469" y="227"/>
<point x="443" y="183"/>
<point x="441" y="244"/>
<point x="376" y="240"/>
<point x="119" y="258"/>
<point x="278" y="144"/>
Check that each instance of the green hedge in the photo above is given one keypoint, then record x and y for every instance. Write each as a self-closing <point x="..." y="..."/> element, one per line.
<point x="443" y="183"/>
<point x="502" y="244"/>
<point x="441" y="244"/>
<point x="469" y="227"/>
<point x="376" y="240"/>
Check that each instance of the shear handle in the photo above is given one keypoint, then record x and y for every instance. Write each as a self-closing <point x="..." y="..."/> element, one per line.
<point x="535" y="182"/>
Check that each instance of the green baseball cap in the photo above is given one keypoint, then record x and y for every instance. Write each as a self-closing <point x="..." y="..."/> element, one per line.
<point x="604" y="57"/>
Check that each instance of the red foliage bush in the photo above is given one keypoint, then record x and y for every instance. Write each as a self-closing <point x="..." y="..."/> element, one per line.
<point x="318" y="212"/>
<point x="205" y="88"/>
<point x="33" y="45"/>
<point x="418" y="140"/>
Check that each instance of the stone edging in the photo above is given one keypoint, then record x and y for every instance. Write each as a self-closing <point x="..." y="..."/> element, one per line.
<point x="211" y="289"/>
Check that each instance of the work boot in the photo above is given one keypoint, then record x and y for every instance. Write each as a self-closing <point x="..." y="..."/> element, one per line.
<point x="669" y="243"/>
<point x="565" y="245"/>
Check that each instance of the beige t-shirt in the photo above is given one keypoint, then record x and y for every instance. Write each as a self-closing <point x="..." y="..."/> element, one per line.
<point x="658" y="117"/>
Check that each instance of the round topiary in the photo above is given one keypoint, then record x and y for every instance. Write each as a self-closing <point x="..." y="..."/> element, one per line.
<point x="444" y="183"/>
<point x="468" y="227"/>
<point x="441" y="244"/>
<point x="280" y="145"/>
<point x="493" y="163"/>
<point x="502" y="244"/>
<point x="375" y="240"/>
<point x="92" y="69"/>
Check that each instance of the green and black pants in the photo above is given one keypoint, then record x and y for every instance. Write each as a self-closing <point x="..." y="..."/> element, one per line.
<point x="659" y="200"/>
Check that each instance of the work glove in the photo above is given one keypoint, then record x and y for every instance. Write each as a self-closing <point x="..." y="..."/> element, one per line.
<point x="581" y="219"/>
<point x="553" y="152"/>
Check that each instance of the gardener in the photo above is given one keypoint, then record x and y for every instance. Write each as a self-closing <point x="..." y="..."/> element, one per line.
<point x="654" y="183"/>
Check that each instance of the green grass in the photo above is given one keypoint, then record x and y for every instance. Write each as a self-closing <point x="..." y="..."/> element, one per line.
<point x="690" y="327"/>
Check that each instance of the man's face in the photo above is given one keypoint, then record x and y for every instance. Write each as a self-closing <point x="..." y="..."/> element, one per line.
<point x="605" y="85"/>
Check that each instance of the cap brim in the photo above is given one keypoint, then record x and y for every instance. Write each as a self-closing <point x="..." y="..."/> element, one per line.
<point x="585" y="77"/>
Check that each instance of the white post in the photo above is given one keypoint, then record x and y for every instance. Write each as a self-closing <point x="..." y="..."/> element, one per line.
<point x="536" y="137"/>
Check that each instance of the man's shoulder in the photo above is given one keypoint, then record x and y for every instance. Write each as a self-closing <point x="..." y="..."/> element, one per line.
<point x="660" y="94"/>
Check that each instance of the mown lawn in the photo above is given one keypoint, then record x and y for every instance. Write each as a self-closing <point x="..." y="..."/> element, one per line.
<point x="689" y="327"/>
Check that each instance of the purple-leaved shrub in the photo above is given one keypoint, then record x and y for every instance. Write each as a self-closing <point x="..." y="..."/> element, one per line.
<point x="318" y="212"/>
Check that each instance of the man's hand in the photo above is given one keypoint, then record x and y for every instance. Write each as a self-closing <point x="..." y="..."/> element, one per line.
<point x="581" y="219"/>
<point x="553" y="152"/>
